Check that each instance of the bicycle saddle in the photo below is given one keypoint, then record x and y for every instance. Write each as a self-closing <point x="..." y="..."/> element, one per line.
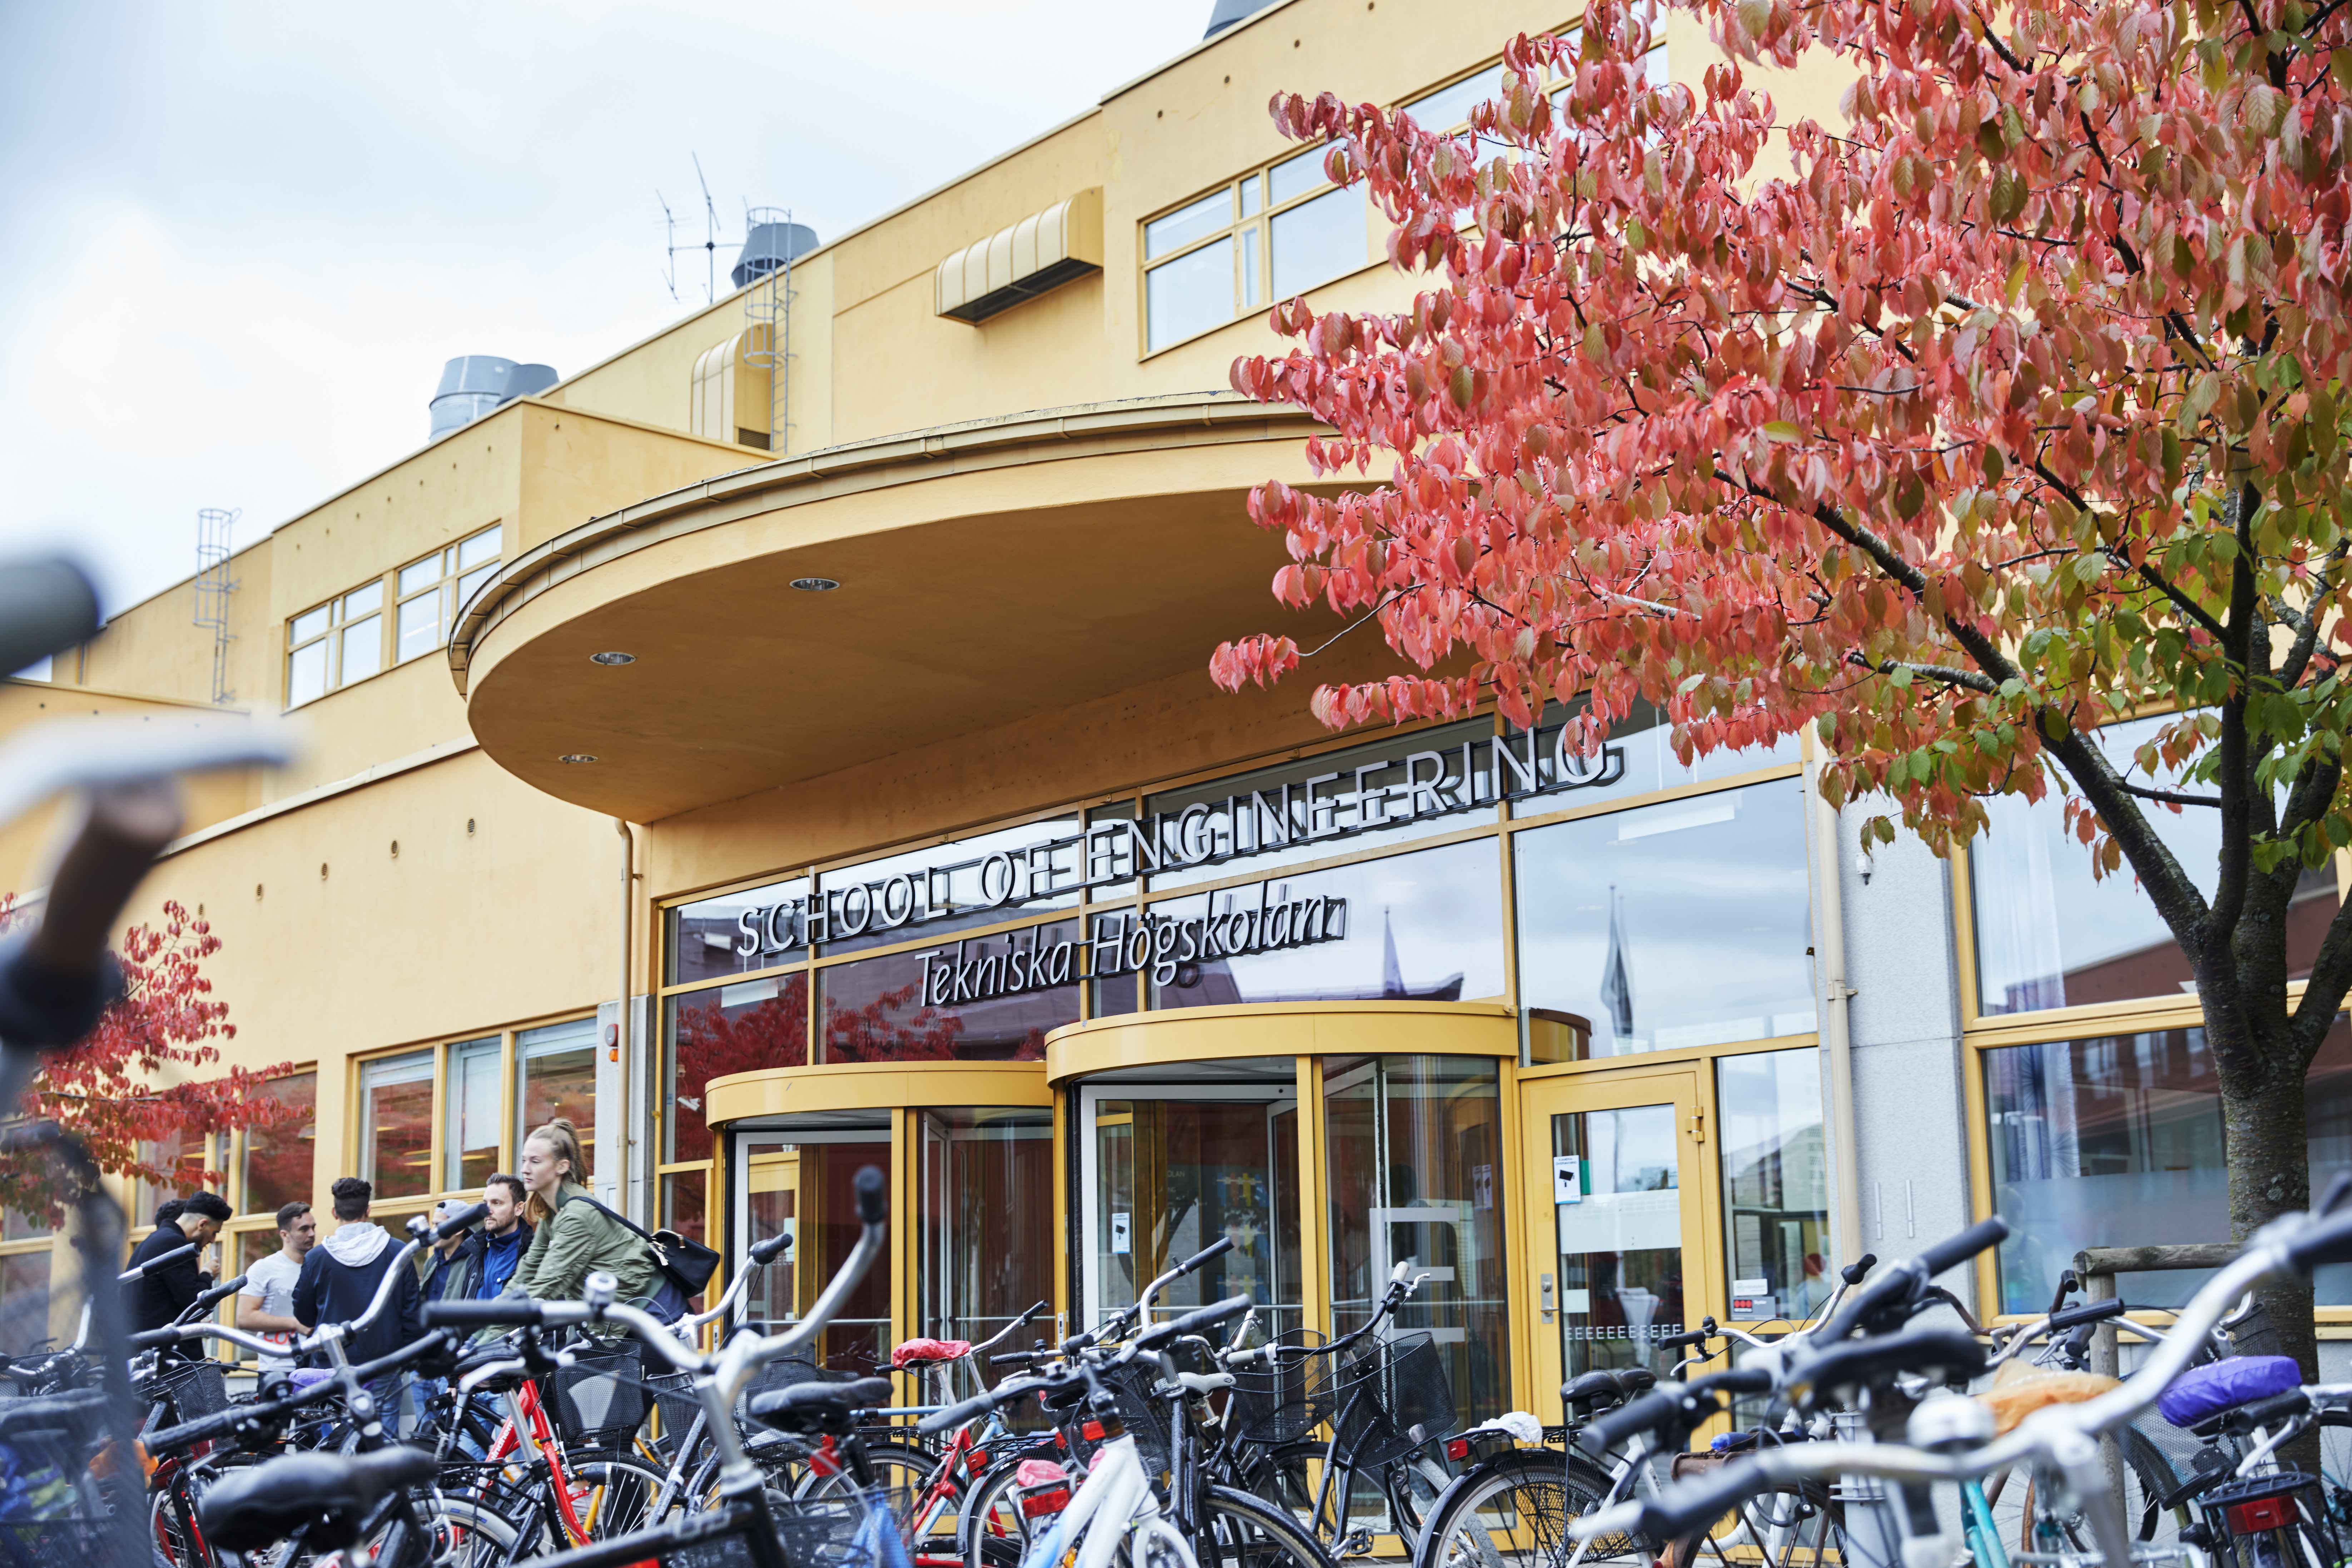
<point x="249" y="1508"/>
<point x="923" y="1352"/>
<point x="1587" y="1390"/>
<point x="802" y="1407"/>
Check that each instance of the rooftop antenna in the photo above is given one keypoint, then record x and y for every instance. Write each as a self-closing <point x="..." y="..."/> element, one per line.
<point x="213" y="588"/>
<point x="709" y="245"/>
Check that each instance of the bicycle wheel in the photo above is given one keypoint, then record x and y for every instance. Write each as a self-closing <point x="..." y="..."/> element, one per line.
<point x="1238" y="1530"/>
<point x="903" y="1470"/>
<point x="1513" y="1512"/>
<point x="464" y="1534"/>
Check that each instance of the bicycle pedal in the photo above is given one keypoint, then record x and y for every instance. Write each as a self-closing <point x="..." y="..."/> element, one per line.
<point x="1357" y="1542"/>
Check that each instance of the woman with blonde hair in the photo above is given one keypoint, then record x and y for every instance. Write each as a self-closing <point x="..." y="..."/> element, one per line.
<point x="575" y="1236"/>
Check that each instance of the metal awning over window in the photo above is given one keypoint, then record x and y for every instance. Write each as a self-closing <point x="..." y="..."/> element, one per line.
<point x="1020" y="262"/>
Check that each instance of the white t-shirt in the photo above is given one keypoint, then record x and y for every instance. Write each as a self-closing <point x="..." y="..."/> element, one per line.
<point x="271" y="1282"/>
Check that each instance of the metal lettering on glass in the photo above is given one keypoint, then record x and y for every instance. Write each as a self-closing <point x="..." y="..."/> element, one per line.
<point x="1125" y="943"/>
<point x="1383" y="792"/>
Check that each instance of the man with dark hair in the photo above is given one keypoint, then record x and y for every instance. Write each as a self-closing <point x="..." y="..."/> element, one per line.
<point x="340" y="1275"/>
<point x="266" y="1305"/>
<point x="504" y="1237"/>
<point x="161" y="1296"/>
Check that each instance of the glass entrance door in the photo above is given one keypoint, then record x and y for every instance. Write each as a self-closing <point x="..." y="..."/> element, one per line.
<point x="802" y="1183"/>
<point x="1614" y="1195"/>
<point x="1167" y="1171"/>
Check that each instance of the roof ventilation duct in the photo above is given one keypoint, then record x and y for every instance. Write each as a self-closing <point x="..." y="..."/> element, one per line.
<point x="473" y="385"/>
<point x="1228" y="12"/>
<point x="771" y="245"/>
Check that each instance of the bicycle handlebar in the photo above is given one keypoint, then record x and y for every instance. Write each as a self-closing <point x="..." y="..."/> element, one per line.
<point x="218" y="1294"/>
<point x="205" y="1427"/>
<point x="459" y="1224"/>
<point x="1855" y="1272"/>
<point x="132" y="1275"/>
<point x="766" y="1252"/>
<point x="2087" y="1312"/>
<point x="1689" y="1401"/>
<point x="1015" y="1326"/>
<point x="1895" y="1287"/>
<point x="1194" y="1323"/>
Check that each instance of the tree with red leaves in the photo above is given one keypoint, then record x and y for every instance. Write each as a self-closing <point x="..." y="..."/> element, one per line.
<point x="2010" y="405"/>
<point x="101" y="1089"/>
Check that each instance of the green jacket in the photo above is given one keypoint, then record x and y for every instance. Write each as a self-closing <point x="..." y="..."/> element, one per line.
<point x="577" y="1241"/>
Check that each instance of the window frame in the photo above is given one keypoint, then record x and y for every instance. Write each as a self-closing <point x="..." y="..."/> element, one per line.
<point x="443" y="1050"/>
<point x="1252" y="232"/>
<point x="340" y="618"/>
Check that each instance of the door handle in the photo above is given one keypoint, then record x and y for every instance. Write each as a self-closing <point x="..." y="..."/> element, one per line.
<point x="1550" y="1304"/>
<point x="1699" y="1126"/>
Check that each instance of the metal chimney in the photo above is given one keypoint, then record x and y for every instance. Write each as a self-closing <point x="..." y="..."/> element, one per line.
<point x="771" y="245"/>
<point x="473" y="385"/>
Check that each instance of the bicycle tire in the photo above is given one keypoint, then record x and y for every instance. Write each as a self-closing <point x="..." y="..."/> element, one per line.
<point x="1238" y="1530"/>
<point x="1543" y="1486"/>
<point x="462" y="1533"/>
<point x="902" y="1469"/>
<point x="990" y="1529"/>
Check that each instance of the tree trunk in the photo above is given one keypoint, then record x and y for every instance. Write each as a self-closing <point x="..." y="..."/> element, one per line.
<point x="2269" y="1153"/>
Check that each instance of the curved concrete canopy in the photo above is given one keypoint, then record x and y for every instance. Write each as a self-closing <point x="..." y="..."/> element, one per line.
<point x="987" y="573"/>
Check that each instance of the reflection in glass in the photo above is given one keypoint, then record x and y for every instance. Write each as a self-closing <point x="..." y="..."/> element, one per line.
<point x="1187" y="224"/>
<point x="942" y="887"/>
<point x="1173" y="1175"/>
<point x="24" y="1301"/>
<point x="363" y="650"/>
<point x="1190" y="294"/>
<point x="180" y="1150"/>
<point x="804" y="1184"/>
<point x="2049" y="936"/>
<point x="1450" y="106"/>
<point x="1426" y="925"/>
<point x="874" y="1009"/>
<point x="707" y="939"/>
<point x="396" y="1125"/>
<point x="1619" y="1224"/>
<point x="1775" y="1183"/>
<point x="2117" y="1140"/>
<point x="306" y="674"/>
<point x="1413" y="1146"/>
<point x="472" y="1138"/>
<point x="277" y="1158"/>
<point x="558" y="1067"/>
<point x="744" y="1027"/>
<point x="1674" y="925"/>
<point x="1638" y="758"/>
<point x="987" y="1245"/>
<point x="683" y="1210"/>
<point x="1316" y="241"/>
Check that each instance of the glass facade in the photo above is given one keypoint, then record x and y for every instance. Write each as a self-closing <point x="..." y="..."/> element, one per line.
<point x="986" y="1223"/>
<point x="557" y="1068"/>
<point x="1776" y="1184"/>
<point x="396" y="1125"/>
<point x="800" y="1183"/>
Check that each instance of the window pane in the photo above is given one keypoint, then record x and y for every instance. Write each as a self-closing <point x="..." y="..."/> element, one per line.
<point x="2050" y="936"/>
<point x="278" y="1160"/>
<point x="420" y="626"/>
<point x="1668" y="926"/>
<point x="363" y="649"/>
<point x="15" y="1227"/>
<point x="710" y="937"/>
<point x="2117" y="1140"/>
<point x="685" y="1209"/>
<point x="726" y="1029"/>
<point x="481" y="547"/>
<point x="1250" y="243"/>
<point x="1450" y="106"/>
<point x="307" y="626"/>
<point x="1318" y="241"/>
<point x="1173" y="1175"/>
<point x="1425" y="926"/>
<point x="558" y="1067"/>
<point x="363" y="601"/>
<point x="1775" y="1183"/>
<point x="877" y="903"/>
<point x="1253" y="194"/>
<point x="1637" y="759"/>
<point x="1190" y="295"/>
<point x="417" y="578"/>
<point x="901" y="1007"/>
<point x="1415" y="1144"/>
<point x="306" y="674"/>
<point x="1181" y="228"/>
<point x="24" y="1301"/>
<point x="471" y="1140"/>
<point x="471" y="583"/>
<point x="1297" y="176"/>
<point x="186" y="1155"/>
<point x="396" y="1125"/>
<point x="987" y="1224"/>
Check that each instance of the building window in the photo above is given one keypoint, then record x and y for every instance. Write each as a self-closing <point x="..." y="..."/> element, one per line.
<point x="1775" y="1186"/>
<point x="557" y="1070"/>
<point x="339" y="642"/>
<point x="432" y="591"/>
<point x="185" y="1153"/>
<point x="720" y="1031"/>
<point x="2117" y="1140"/>
<point x="24" y="1300"/>
<point x="278" y="1167"/>
<point x="470" y="1143"/>
<point x="396" y="1125"/>
<point x="1275" y="232"/>
<point x="1671" y="926"/>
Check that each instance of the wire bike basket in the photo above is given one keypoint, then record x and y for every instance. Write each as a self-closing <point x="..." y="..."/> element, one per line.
<point x="1389" y="1399"/>
<point x="189" y="1392"/>
<point x="599" y="1400"/>
<point x="1286" y="1396"/>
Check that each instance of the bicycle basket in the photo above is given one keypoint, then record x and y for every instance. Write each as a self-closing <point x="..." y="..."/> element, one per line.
<point x="1146" y="1417"/>
<point x="600" y="1399"/>
<point x="1285" y="1397"/>
<point x="817" y="1532"/>
<point x="1390" y="1399"/>
<point x="51" y="1510"/>
<point x="190" y="1391"/>
<point x="676" y="1403"/>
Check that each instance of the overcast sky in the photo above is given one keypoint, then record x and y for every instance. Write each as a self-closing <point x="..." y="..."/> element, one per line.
<point x="241" y="239"/>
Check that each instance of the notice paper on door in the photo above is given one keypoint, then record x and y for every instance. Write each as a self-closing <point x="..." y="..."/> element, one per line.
<point x="1622" y="1222"/>
<point x="1119" y="1241"/>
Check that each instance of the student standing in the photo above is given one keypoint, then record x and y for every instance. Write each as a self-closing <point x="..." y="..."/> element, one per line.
<point x="340" y="1277"/>
<point x="172" y="1290"/>
<point x="266" y="1305"/>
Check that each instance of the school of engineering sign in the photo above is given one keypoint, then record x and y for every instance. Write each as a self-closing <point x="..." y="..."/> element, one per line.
<point x="1387" y="784"/>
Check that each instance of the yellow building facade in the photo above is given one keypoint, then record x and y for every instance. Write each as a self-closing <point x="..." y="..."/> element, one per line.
<point x="779" y="780"/>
